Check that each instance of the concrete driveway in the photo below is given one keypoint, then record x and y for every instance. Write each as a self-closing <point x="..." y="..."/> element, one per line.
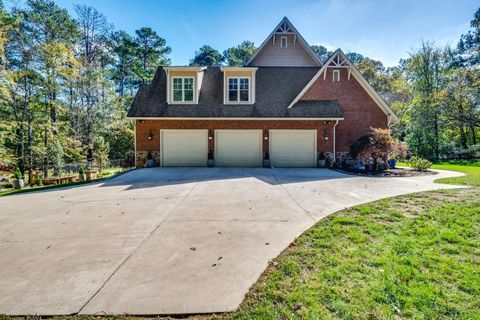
<point x="166" y="241"/>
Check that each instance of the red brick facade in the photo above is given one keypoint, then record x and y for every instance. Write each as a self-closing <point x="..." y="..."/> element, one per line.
<point x="146" y="127"/>
<point x="359" y="110"/>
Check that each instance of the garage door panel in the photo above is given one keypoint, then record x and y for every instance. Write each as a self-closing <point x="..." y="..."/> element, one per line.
<point x="293" y="148"/>
<point x="184" y="148"/>
<point x="241" y="148"/>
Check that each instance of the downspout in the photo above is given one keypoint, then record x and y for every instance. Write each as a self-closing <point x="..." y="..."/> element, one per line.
<point x="389" y="118"/>
<point x="334" y="144"/>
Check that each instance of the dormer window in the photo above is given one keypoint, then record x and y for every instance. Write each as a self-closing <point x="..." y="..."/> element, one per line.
<point x="238" y="89"/>
<point x="336" y="75"/>
<point x="283" y="42"/>
<point x="183" y="89"/>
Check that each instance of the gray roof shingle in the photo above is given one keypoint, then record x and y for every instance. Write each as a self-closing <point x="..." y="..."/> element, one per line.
<point x="276" y="87"/>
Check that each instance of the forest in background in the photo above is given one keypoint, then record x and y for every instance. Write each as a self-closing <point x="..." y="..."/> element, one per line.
<point x="66" y="83"/>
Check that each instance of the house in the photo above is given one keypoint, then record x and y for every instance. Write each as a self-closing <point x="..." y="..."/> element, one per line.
<point x="284" y="104"/>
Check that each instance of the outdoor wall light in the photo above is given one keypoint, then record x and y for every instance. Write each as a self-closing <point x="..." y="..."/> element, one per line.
<point x="210" y="137"/>
<point x="142" y="121"/>
<point x="150" y="135"/>
<point x="265" y="134"/>
<point x="325" y="135"/>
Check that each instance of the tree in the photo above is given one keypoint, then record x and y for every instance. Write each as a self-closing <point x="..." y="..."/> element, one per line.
<point x="207" y="56"/>
<point x="425" y="71"/>
<point x="378" y="144"/>
<point x="152" y="51"/>
<point x="322" y="53"/>
<point x="239" y="55"/>
<point x="123" y="49"/>
<point x="100" y="152"/>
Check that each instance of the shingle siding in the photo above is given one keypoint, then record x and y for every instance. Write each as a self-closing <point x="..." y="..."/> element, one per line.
<point x="294" y="55"/>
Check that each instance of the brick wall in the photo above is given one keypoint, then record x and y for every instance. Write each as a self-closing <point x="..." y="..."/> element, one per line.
<point x="359" y="109"/>
<point x="145" y="128"/>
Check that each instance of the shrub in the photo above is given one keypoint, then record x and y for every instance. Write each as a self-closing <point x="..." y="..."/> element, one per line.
<point x="81" y="170"/>
<point x="419" y="164"/>
<point x="17" y="174"/>
<point x="377" y="144"/>
<point x="38" y="181"/>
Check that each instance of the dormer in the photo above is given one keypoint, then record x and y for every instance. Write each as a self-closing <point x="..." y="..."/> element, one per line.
<point x="184" y="84"/>
<point x="239" y="85"/>
<point x="284" y="47"/>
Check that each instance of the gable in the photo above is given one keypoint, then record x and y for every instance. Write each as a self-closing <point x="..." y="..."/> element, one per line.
<point x="274" y="53"/>
<point x="339" y="61"/>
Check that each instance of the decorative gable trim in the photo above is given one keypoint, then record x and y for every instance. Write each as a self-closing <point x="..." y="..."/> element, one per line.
<point x="339" y="60"/>
<point x="285" y="27"/>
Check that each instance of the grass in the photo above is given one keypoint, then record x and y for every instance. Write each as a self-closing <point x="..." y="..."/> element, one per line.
<point x="415" y="256"/>
<point x="107" y="173"/>
<point x="471" y="170"/>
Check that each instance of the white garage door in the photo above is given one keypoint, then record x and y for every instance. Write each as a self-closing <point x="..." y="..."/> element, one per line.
<point x="293" y="148"/>
<point x="184" y="148"/>
<point x="238" y="148"/>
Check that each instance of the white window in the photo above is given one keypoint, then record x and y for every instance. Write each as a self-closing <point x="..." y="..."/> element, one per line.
<point x="283" y="42"/>
<point x="182" y="88"/>
<point x="336" y="75"/>
<point x="239" y="89"/>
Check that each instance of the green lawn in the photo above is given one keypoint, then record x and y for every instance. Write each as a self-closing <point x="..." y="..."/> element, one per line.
<point x="415" y="256"/>
<point x="471" y="170"/>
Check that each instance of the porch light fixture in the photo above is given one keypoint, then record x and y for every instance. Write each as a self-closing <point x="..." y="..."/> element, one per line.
<point x="325" y="135"/>
<point x="210" y="134"/>
<point x="265" y="134"/>
<point x="150" y="135"/>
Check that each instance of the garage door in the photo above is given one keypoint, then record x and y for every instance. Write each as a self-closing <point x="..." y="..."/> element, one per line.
<point x="184" y="148"/>
<point x="238" y="148"/>
<point x="293" y="148"/>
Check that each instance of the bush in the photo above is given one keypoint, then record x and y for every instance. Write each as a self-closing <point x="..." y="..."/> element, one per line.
<point x="17" y="174"/>
<point x="38" y="181"/>
<point x="81" y="170"/>
<point x="419" y="164"/>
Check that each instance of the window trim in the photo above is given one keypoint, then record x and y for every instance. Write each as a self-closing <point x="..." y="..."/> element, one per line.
<point x="281" y="42"/>
<point x="333" y="75"/>
<point x="172" y="89"/>
<point x="227" y="91"/>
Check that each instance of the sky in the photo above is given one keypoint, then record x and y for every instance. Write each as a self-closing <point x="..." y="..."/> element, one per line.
<point x="385" y="30"/>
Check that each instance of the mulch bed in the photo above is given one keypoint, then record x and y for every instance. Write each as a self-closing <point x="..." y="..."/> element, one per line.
<point x="397" y="172"/>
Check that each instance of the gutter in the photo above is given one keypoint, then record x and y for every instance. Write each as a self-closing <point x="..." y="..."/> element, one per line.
<point x="334" y="142"/>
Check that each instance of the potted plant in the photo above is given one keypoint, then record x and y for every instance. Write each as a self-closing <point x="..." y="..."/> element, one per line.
<point x="150" y="162"/>
<point x="81" y="174"/>
<point x="18" y="182"/>
<point x="210" y="161"/>
<point x="38" y="181"/>
<point x="321" y="162"/>
<point x="266" y="160"/>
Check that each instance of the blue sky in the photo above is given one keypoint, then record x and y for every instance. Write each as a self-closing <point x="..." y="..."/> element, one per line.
<point x="386" y="30"/>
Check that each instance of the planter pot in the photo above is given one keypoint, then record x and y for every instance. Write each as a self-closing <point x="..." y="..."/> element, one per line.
<point x="392" y="163"/>
<point x="210" y="163"/>
<point x="91" y="174"/>
<point x="321" y="163"/>
<point x="18" y="183"/>
<point x="266" y="163"/>
<point x="82" y="177"/>
<point x="150" y="163"/>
